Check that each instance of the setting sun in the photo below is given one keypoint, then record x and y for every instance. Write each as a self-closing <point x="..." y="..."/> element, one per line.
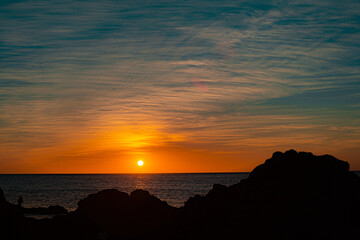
<point x="140" y="163"/>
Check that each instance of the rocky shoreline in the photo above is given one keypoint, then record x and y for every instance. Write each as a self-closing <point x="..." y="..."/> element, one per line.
<point x="293" y="195"/>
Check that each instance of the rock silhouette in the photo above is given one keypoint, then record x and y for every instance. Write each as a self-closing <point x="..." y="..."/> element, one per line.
<point x="11" y="219"/>
<point x="293" y="195"/>
<point x="51" y="210"/>
<point x="123" y="215"/>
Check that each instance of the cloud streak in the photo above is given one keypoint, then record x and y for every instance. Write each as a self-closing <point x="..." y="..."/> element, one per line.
<point x="220" y="76"/>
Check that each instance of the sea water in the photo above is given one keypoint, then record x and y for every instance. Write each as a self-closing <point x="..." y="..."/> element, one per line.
<point x="43" y="190"/>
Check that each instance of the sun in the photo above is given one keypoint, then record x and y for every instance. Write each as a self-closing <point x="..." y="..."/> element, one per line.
<point x="140" y="163"/>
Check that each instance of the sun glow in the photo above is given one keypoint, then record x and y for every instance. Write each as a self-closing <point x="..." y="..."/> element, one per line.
<point x="140" y="163"/>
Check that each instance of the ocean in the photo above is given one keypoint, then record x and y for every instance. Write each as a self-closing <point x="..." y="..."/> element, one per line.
<point x="43" y="190"/>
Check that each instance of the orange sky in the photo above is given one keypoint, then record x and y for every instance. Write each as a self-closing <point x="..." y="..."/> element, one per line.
<point x="118" y="150"/>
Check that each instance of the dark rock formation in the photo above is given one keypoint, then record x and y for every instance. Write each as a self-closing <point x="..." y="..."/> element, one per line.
<point x="11" y="220"/>
<point x="2" y="197"/>
<point x="291" y="196"/>
<point x="51" y="210"/>
<point x="111" y="214"/>
<point x="123" y="216"/>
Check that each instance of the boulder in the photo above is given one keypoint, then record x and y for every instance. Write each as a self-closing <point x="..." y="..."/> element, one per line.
<point x="51" y="210"/>
<point x="122" y="215"/>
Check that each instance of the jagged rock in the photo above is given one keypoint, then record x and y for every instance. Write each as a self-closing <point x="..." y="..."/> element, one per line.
<point x="11" y="220"/>
<point x="2" y="197"/>
<point x="51" y="210"/>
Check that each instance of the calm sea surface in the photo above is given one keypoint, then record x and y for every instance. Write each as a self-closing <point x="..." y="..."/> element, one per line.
<point x="42" y="190"/>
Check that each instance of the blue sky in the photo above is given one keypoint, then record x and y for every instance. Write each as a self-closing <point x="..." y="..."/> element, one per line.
<point x="234" y="77"/>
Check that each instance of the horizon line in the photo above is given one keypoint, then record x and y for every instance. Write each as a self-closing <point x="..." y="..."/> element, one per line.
<point x="130" y="173"/>
<point x="115" y="173"/>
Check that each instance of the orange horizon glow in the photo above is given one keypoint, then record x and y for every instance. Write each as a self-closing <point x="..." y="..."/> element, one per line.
<point x="160" y="160"/>
<point x="118" y="150"/>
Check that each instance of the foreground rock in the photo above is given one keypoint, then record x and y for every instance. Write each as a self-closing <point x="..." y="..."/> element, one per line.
<point x="121" y="215"/>
<point x="51" y="210"/>
<point x="291" y="196"/>
<point x="111" y="214"/>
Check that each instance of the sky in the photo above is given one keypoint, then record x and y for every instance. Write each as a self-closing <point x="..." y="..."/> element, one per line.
<point x="186" y="86"/>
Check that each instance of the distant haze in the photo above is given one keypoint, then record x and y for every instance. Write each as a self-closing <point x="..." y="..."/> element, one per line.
<point x="185" y="86"/>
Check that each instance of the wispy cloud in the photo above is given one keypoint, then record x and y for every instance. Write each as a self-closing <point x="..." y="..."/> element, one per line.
<point x="220" y="76"/>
